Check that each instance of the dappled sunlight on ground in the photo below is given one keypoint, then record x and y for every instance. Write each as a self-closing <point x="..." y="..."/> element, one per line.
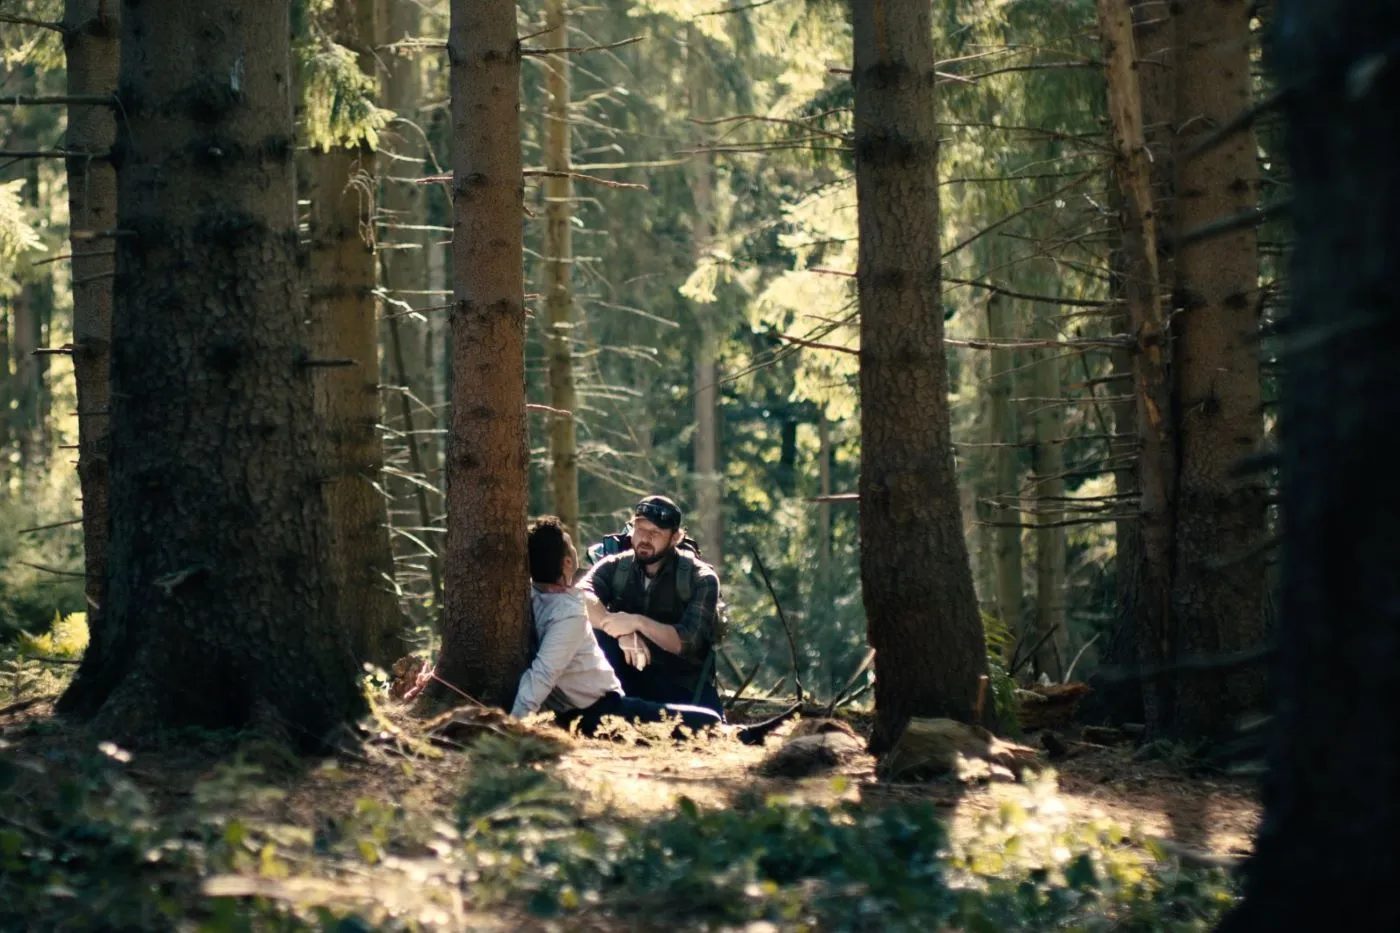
<point x="377" y="826"/>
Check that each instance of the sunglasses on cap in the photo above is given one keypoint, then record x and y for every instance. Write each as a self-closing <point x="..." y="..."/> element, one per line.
<point x="659" y="514"/>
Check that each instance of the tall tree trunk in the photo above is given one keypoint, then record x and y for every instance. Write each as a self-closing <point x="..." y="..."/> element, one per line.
<point x="824" y="507"/>
<point x="1154" y="35"/>
<point x="1156" y="460"/>
<point x="559" y="263"/>
<point x="29" y="376"/>
<point x="917" y="582"/>
<point x="1326" y="847"/>
<point x="1002" y="430"/>
<point x="403" y="207"/>
<point x="1217" y="595"/>
<point x="32" y="303"/>
<point x="218" y="605"/>
<point x="93" y="56"/>
<point x="345" y="326"/>
<point x="6" y="389"/>
<point x="709" y="483"/>
<point x="1049" y="488"/>
<point x="483" y="626"/>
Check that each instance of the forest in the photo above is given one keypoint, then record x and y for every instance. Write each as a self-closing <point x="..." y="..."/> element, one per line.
<point x="1014" y="376"/>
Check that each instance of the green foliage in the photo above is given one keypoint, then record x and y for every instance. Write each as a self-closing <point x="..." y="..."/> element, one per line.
<point x="30" y="596"/>
<point x="66" y="638"/>
<point x="1000" y="643"/>
<point x="852" y="868"/>
<point x="17" y="234"/>
<point x="83" y="848"/>
<point x="338" y="108"/>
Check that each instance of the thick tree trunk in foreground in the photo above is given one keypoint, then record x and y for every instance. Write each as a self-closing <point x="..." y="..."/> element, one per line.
<point x="559" y="264"/>
<point x="1002" y="429"/>
<point x="1326" y="851"/>
<point x="1156" y="461"/>
<point x="345" y="326"/>
<point x="483" y="624"/>
<point x="217" y="580"/>
<point x="1217" y="592"/>
<point x="919" y="598"/>
<point x="93" y="55"/>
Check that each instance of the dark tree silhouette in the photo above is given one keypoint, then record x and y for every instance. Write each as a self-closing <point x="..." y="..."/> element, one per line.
<point x="1326" y="853"/>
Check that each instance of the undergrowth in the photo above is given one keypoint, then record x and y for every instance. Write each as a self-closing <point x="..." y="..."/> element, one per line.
<point x="83" y="847"/>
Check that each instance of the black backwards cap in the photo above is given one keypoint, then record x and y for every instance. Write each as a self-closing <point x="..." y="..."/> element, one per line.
<point x="660" y="511"/>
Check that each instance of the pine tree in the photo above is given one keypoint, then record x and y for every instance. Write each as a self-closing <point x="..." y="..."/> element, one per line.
<point x="483" y="623"/>
<point x="345" y="328"/>
<point x="559" y="264"/>
<point x="1326" y="851"/>
<point x="1218" y="579"/>
<point x="218" y="587"/>
<point x="917" y="582"/>
<point x="92" y="57"/>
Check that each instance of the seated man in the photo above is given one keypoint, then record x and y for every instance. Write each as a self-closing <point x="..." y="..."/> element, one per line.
<point x="667" y="596"/>
<point x="569" y="675"/>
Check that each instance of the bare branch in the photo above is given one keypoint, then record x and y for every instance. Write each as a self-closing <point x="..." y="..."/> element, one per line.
<point x="50" y="154"/>
<point x="1040" y="299"/>
<point x="1241" y="221"/>
<point x="566" y="50"/>
<point x="30" y="21"/>
<point x="30" y="100"/>
<point x="1241" y="121"/>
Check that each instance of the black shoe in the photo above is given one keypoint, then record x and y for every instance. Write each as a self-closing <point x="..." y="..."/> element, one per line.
<point x="756" y="733"/>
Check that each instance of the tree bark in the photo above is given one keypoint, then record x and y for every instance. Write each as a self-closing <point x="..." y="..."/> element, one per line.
<point x="92" y="58"/>
<point x="29" y="376"/>
<point x="919" y="598"/>
<point x="823" y="581"/>
<point x="344" y="324"/>
<point x="404" y="206"/>
<point x="1048" y="487"/>
<point x="1326" y="847"/>
<point x="6" y="385"/>
<point x="1152" y="572"/>
<point x="709" y="482"/>
<point x="1003" y="430"/>
<point x="1217" y="594"/>
<point x="218" y="606"/>
<point x="483" y="626"/>
<point x="559" y="259"/>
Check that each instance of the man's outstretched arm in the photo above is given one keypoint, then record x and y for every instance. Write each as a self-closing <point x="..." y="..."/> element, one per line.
<point x="618" y="624"/>
<point x="665" y="637"/>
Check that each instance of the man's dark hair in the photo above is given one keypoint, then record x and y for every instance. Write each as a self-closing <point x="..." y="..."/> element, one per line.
<point x="547" y="548"/>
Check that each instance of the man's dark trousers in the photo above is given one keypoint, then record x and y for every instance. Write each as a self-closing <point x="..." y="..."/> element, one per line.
<point x="663" y="681"/>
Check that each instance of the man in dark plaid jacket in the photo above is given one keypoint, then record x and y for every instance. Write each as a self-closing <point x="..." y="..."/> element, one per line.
<point x="655" y="611"/>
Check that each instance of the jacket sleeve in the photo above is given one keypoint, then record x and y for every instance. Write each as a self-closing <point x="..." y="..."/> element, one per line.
<point x="697" y="623"/>
<point x="564" y="632"/>
<point x="598" y="580"/>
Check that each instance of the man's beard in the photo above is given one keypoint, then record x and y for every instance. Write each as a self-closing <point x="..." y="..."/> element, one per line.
<point x="648" y="561"/>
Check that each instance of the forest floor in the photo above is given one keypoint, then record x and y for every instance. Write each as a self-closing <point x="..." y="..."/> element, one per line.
<point x="530" y="830"/>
